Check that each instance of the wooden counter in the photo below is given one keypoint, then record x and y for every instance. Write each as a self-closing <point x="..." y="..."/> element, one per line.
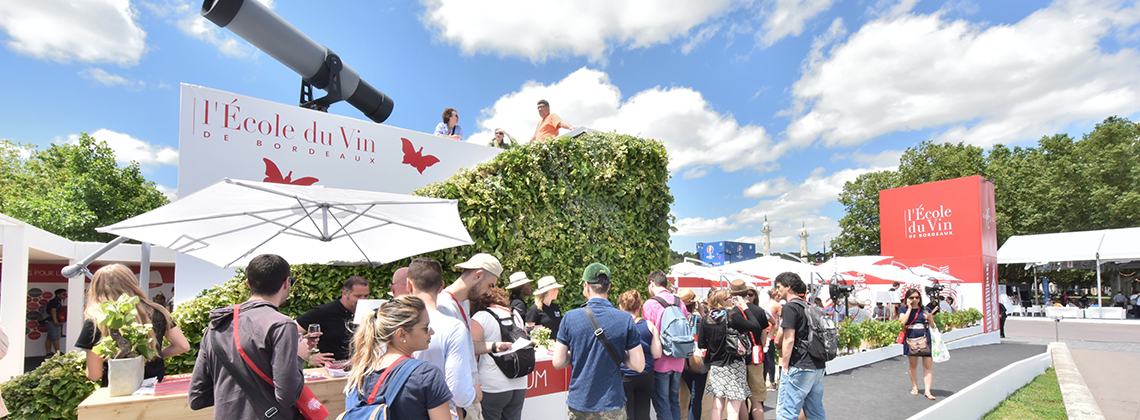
<point x="171" y="403"/>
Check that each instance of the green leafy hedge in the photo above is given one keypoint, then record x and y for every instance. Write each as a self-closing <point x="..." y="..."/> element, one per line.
<point x="51" y="391"/>
<point x="875" y="334"/>
<point x="547" y="208"/>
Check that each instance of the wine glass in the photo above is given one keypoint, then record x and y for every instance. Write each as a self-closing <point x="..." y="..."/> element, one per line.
<point x="314" y="328"/>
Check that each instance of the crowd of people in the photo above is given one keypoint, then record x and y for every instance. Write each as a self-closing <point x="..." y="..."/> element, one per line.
<point x="548" y="127"/>
<point x="456" y="351"/>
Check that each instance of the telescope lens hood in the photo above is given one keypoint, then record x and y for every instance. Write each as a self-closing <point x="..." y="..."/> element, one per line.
<point x="373" y="103"/>
<point x="221" y="12"/>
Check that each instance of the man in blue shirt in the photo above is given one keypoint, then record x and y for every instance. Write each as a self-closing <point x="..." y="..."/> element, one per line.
<point x="596" y="391"/>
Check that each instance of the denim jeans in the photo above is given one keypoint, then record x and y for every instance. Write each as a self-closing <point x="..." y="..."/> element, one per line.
<point x="696" y="384"/>
<point x="666" y="395"/>
<point x="801" y="388"/>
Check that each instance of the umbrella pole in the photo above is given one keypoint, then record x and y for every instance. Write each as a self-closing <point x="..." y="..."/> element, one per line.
<point x="1099" y="302"/>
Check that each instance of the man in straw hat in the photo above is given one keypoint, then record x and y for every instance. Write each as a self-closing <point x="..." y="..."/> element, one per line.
<point x="519" y="288"/>
<point x="596" y="390"/>
<point x="755" y="321"/>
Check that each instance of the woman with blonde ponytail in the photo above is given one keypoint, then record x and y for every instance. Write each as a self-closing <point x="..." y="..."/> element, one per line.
<point x="108" y="284"/>
<point x="384" y="338"/>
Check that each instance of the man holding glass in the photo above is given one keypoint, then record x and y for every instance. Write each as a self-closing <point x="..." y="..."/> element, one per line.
<point x="332" y="320"/>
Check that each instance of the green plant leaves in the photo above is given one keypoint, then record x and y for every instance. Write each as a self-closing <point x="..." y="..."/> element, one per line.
<point x="51" y="391"/>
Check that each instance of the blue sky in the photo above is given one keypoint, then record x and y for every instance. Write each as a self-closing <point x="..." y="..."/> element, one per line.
<point x="766" y="106"/>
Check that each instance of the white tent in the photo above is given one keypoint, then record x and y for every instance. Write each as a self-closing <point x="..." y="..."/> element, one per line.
<point x="1097" y="246"/>
<point x="1109" y="245"/>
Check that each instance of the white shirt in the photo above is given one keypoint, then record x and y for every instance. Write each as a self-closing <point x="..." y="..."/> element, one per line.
<point x="451" y="350"/>
<point x="490" y="376"/>
<point x="449" y="306"/>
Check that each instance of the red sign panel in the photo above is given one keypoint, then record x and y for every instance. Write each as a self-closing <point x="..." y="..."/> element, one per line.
<point x="949" y="226"/>
<point x="547" y="380"/>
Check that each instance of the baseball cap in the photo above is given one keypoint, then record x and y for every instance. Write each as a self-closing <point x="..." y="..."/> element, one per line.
<point x="593" y="272"/>
<point x="482" y="262"/>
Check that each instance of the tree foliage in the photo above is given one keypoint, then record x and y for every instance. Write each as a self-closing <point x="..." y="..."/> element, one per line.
<point x="1061" y="185"/>
<point x="547" y="208"/>
<point x="71" y="189"/>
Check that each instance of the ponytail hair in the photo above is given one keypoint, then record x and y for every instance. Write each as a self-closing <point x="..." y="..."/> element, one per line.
<point x="375" y="333"/>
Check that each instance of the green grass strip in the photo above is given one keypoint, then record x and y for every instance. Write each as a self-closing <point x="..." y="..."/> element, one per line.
<point x="1040" y="399"/>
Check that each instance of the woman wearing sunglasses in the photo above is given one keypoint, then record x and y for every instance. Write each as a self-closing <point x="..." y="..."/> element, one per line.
<point x="450" y="126"/>
<point x="916" y="321"/>
<point x="384" y="339"/>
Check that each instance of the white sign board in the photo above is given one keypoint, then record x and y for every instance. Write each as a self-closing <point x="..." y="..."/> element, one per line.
<point x="223" y="134"/>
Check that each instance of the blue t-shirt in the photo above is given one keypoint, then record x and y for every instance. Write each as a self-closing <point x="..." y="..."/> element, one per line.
<point x="646" y="341"/>
<point x="426" y="389"/>
<point x="594" y="383"/>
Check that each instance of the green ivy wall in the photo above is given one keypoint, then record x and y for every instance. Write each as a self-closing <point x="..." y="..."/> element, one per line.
<point x="548" y="209"/>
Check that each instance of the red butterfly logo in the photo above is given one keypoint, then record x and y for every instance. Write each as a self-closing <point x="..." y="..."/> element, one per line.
<point x="415" y="158"/>
<point x="272" y="174"/>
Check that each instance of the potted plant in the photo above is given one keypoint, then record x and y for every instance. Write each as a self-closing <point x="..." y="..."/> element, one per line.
<point x="126" y="346"/>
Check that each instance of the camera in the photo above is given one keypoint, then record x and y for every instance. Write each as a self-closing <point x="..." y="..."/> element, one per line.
<point x="934" y="291"/>
<point x="840" y="290"/>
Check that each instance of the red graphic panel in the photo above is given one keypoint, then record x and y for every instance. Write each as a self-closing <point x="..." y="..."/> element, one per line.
<point x="547" y="380"/>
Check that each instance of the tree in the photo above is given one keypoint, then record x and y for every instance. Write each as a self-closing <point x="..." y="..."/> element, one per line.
<point x="677" y="258"/>
<point x="860" y="226"/>
<point x="71" y="189"/>
<point x="1061" y="185"/>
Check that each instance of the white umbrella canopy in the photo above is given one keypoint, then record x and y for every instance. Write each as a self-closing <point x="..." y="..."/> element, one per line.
<point x="771" y="266"/>
<point x="868" y="269"/>
<point x="232" y="221"/>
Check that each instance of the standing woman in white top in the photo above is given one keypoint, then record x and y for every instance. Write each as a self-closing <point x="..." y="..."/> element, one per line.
<point x="502" y="396"/>
<point x="450" y="126"/>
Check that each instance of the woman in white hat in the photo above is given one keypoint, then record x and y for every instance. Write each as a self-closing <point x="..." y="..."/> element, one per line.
<point x="545" y="311"/>
<point x="519" y="288"/>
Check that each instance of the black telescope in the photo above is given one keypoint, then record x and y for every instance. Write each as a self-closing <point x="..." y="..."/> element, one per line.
<point x="318" y="66"/>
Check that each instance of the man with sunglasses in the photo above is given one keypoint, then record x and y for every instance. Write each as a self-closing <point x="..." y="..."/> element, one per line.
<point x="549" y="125"/>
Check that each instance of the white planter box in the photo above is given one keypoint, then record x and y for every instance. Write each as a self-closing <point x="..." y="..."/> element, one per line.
<point x="959" y="333"/>
<point x="1054" y="311"/>
<point x="1105" y="313"/>
<point x="852" y="361"/>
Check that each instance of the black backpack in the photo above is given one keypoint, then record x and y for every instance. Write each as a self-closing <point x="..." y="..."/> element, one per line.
<point x="519" y="363"/>
<point x="822" y="341"/>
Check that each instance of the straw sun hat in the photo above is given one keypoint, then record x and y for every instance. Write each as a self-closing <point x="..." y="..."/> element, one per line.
<point x="546" y="284"/>
<point x="518" y="279"/>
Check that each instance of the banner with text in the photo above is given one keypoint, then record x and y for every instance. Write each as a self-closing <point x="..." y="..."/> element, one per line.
<point x="223" y="134"/>
<point x="950" y="225"/>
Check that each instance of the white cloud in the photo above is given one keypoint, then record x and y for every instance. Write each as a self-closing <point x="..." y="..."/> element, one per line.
<point x="768" y="188"/>
<point x="541" y="29"/>
<point x="787" y="17"/>
<point x="170" y="193"/>
<point x="108" y="79"/>
<point x="696" y="226"/>
<point x="695" y="135"/>
<point x="192" y="23"/>
<point x="94" y="31"/>
<point x="128" y="149"/>
<point x="885" y="160"/>
<point x="703" y="35"/>
<point x="802" y="200"/>
<point x="1003" y="83"/>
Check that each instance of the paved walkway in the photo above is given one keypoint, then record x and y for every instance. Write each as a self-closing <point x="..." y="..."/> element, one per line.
<point x="882" y="390"/>
<point x="1107" y="355"/>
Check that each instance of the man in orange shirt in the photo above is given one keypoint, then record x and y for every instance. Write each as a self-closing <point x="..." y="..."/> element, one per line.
<point x="549" y="125"/>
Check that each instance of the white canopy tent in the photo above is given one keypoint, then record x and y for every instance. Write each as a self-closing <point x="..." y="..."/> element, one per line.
<point x="1098" y="246"/>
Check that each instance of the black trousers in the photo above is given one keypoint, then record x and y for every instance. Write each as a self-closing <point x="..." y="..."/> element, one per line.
<point x="638" y="394"/>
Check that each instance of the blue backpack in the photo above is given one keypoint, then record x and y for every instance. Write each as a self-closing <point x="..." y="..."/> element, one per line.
<point x="676" y="333"/>
<point x="374" y="408"/>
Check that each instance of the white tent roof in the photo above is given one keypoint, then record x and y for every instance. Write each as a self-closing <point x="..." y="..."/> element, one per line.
<point x="1113" y="245"/>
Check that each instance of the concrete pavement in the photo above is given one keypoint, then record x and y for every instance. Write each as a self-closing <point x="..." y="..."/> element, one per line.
<point x="1107" y="355"/>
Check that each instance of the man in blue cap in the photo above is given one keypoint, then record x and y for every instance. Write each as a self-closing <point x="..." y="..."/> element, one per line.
<point x="593" y="346"/>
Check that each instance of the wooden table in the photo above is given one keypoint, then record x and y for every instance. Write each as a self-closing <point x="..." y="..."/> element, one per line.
<point x="171" y="403"/>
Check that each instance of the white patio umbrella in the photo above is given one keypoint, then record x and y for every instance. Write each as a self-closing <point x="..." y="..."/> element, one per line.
<point x="232" y="221"/>
<point x="869" y="269"/>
